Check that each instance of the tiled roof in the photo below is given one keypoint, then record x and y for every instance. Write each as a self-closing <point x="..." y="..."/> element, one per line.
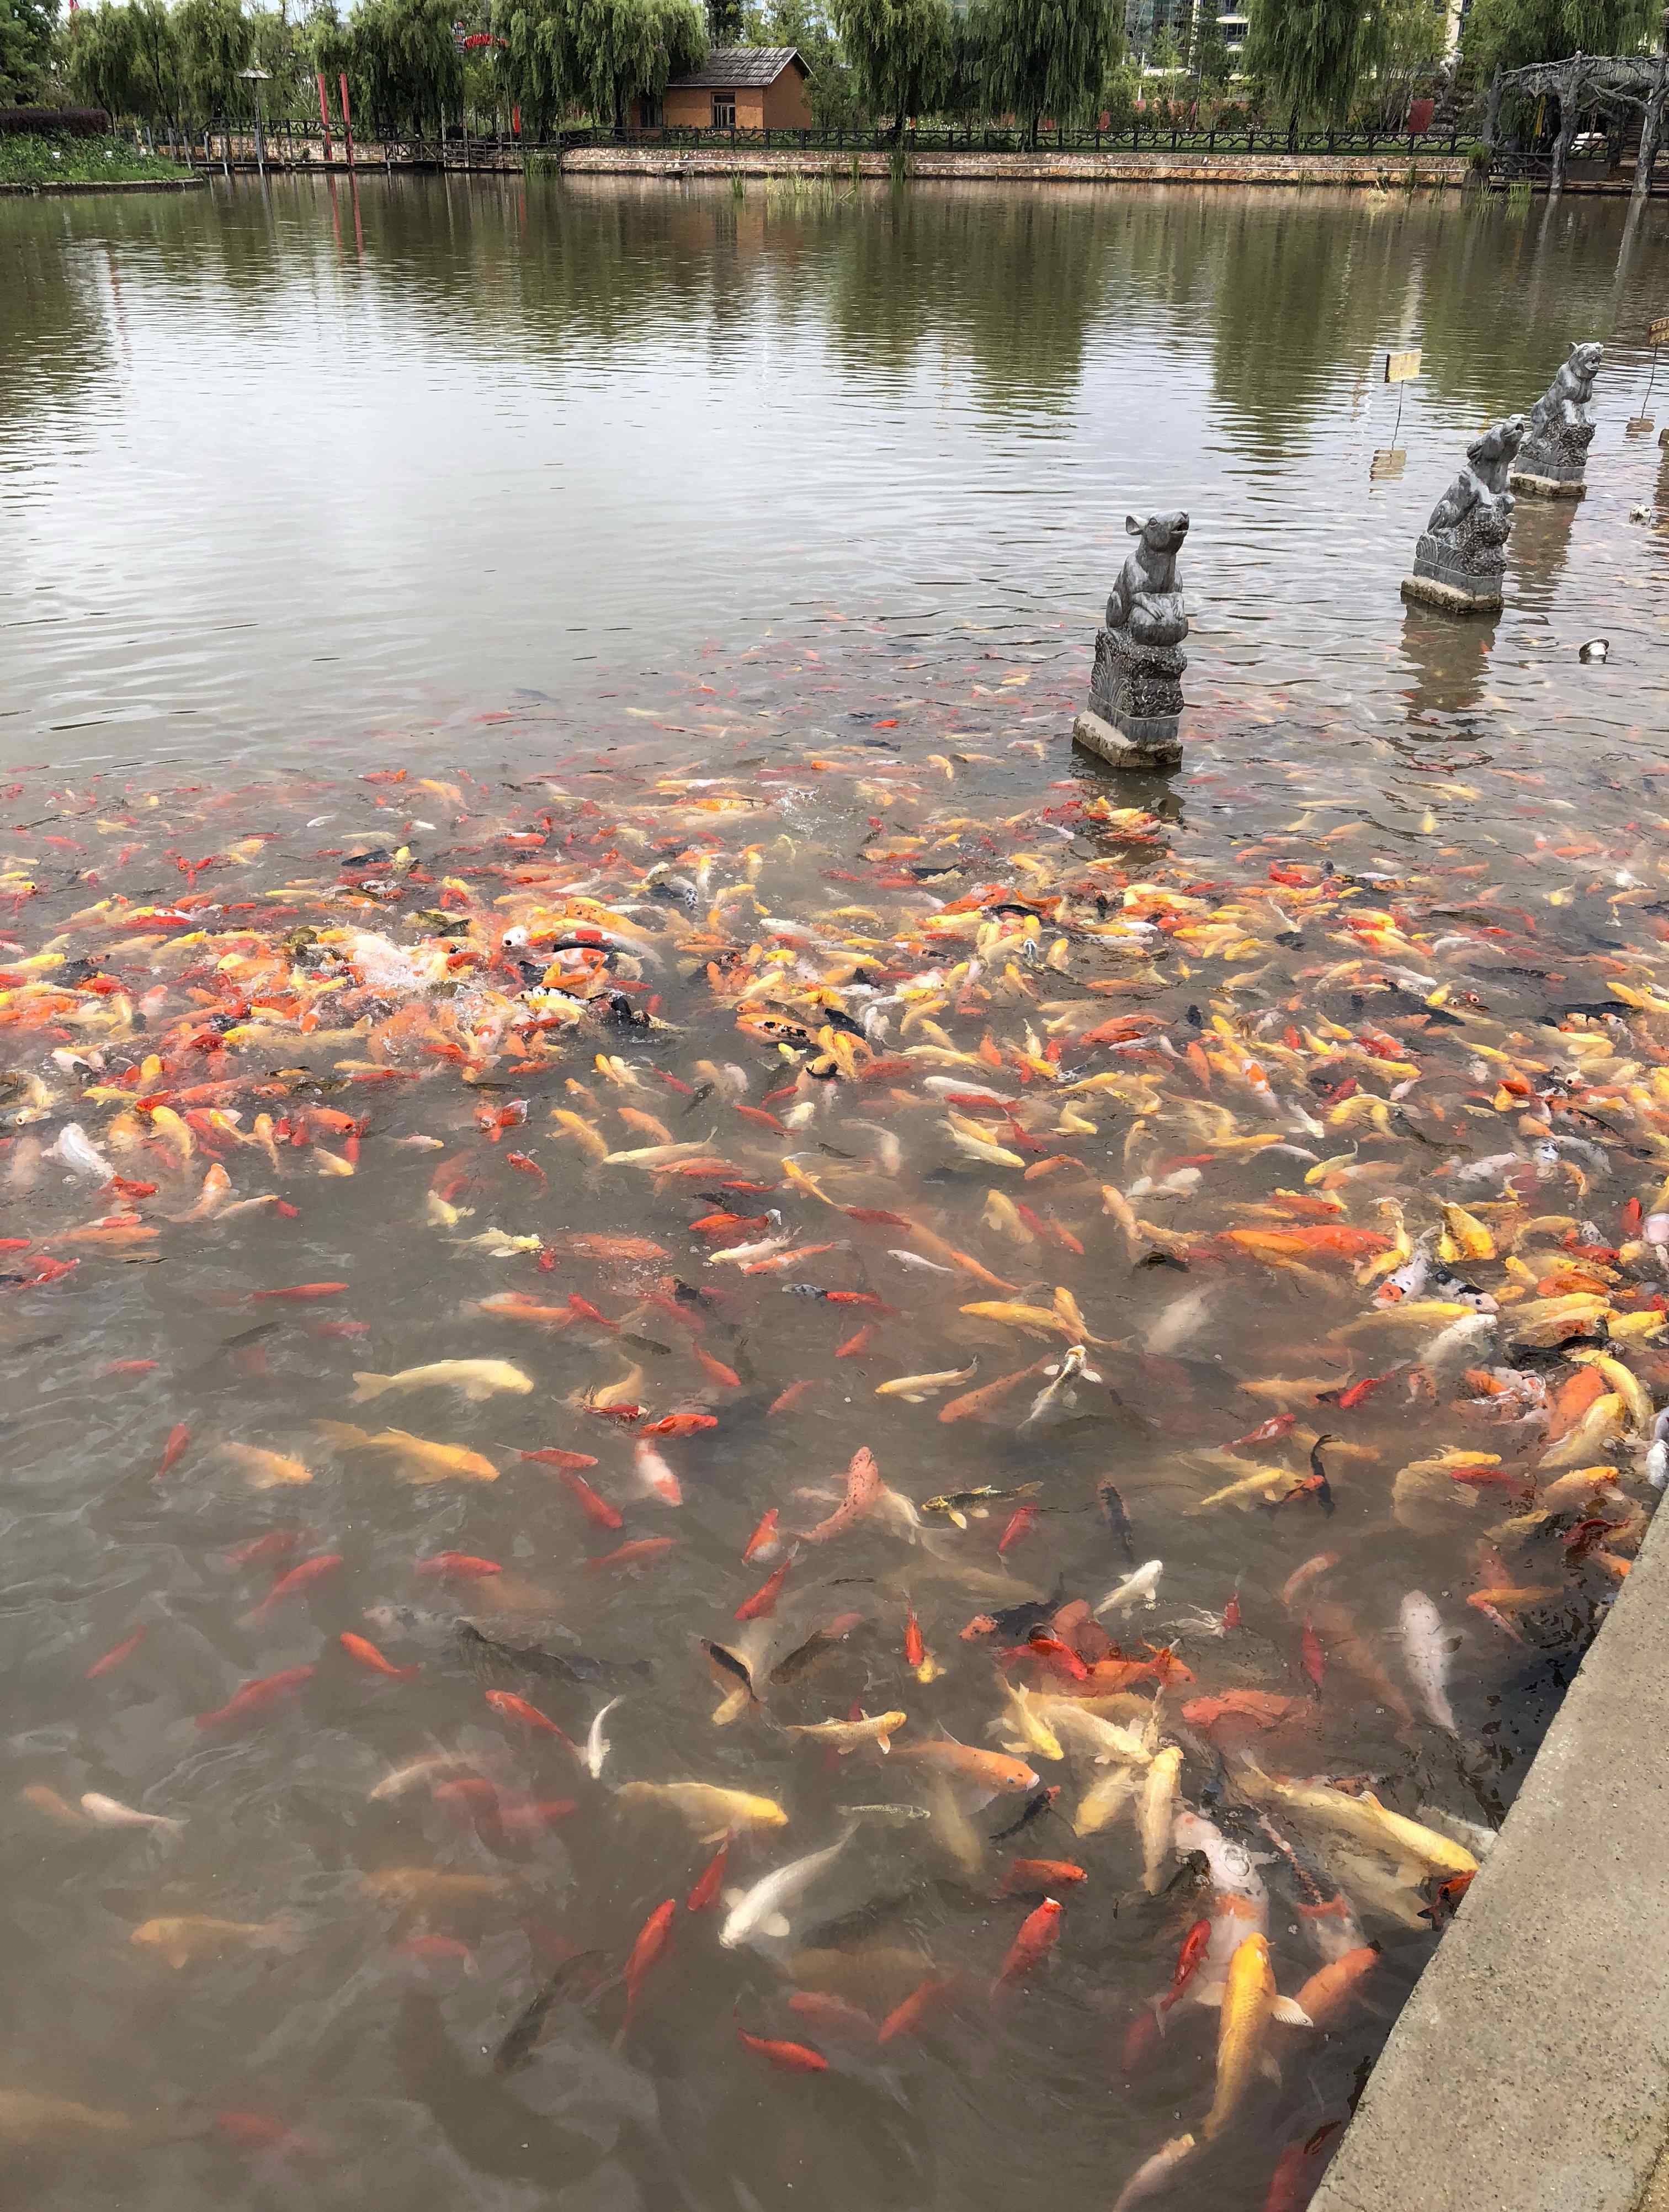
<point x="728" y="66"/>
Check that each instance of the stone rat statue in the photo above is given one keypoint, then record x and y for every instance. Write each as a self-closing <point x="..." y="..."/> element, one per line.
<point x="1147" y="600"/>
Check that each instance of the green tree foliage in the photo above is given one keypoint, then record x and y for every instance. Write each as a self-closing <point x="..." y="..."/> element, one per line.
<point x="533" y="62"/>
<point x="1046" y="56"/>
<point x="1410" y="48"/>
<point x="1312" y="53"/>
<point x="99" y="58"/>
<point x="804" y="24"/>
<point x="724" y="22"/>
<point x="1209" y="63"/>
<point x="216" y="39"/>
<point x="618" y="49"/>
<point x="1512" y="34"/>
<point x="899" y="51"/>
<point x="406" y="67"/>
<point x="25" y="50"/>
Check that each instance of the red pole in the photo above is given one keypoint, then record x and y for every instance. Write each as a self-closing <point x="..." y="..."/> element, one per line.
<point x="347" y="120"/>
<point x="324" y="111"/>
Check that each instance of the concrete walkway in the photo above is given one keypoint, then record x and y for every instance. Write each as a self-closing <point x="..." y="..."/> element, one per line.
<point x="1529" y="2072"/>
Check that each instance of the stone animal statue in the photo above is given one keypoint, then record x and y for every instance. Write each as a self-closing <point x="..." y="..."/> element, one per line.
<point x="1146" y="602"/>
<point x="1459" y="557"/>
<point x="1560" y="429"/>
<point x="1479" y="497"/>
<point x="1136" y="684"/>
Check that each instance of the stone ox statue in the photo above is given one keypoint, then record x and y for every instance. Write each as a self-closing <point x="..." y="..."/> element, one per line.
<point x="1459" y="557"/>
<point x="1136" y="687"/>
<point x="1552" y="462"/>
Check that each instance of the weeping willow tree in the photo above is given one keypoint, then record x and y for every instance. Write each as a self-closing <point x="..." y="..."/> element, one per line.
<point x="533" y="65"/>
<point x="899" y="52"/>
<point x="1052" y="57"/>
<point x="216" y="39"/>
<point x="406" y="65"/>
<point x="1514" y="33"/>
<point x="617" y="49"/>
<point x="1313" y="53"/>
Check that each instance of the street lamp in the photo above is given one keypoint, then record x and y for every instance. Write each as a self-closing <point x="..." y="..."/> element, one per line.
<point x="257" y="77"/>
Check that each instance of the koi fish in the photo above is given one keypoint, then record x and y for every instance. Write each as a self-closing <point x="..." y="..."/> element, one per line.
<point x="1249" y="2001"/>
<point x="476" y="1380"/>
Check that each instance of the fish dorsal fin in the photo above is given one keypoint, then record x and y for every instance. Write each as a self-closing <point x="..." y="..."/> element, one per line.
<point x="1213" y="1997"/>
<point x="774" y="1924"/>
<point x="1293" y="2014"/>
<point x="733" y="1897"/>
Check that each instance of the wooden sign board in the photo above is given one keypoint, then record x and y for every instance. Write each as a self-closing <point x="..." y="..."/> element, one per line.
<point x="1657" y="333"/>
<point x="1386" y="462"/>
<point x="1400" y="368"/>
<point x="1638" y="425"/>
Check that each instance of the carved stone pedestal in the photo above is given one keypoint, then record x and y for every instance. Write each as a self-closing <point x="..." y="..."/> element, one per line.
<point x="1548" y="487"/>
<point x="1112" y="745"/>
<point x="1458" y="593"/>
<point x="1138" y="690"/>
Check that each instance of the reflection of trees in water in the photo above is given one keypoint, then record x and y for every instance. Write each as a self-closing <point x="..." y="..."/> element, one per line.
<point x="54" y="333"/>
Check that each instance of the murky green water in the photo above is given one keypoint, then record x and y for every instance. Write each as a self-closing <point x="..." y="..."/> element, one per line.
<point x="705" y="587"/>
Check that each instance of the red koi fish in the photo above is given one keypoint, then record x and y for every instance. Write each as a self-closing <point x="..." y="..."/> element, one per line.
<point x="301" y="1290"/>
<point x="709" y="1882"/>
<point x="257" y="1698"/>
<point x="762" y="1603"/>
<point x="790" y="2058"/>
<point x="653" y="1939"/>
<point x="518" y="1709"/>
<point x="364" y="1653"/>
<point x="456" y="1566"/>
<point x="298" y="1578"/>
<point x="1195" y="1945"/>
<point x="1040" y="1931"/>
<point x="117" y="1655"/>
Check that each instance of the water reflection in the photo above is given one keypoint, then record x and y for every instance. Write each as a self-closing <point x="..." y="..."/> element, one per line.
<point x="471" y="435"/>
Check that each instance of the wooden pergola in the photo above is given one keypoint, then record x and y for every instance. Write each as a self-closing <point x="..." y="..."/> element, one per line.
<point x="1612" y="82"/>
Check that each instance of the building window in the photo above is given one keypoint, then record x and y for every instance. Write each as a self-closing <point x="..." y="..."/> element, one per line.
<point x="724" y="111"/>
<point x="649" y="107"/>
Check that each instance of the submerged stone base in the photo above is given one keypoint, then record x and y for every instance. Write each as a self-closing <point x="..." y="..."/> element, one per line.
<point x="1434" y="593"/>
<point x="1150" y="742"/>
<point x="1548" y="487"/>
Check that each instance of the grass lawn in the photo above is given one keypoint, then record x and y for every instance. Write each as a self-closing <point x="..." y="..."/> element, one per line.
<point x="26" y="159"/>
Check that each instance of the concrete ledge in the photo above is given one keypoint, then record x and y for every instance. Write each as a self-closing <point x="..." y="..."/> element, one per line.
<point x="1152" y="747"/>
<point x="1433" y="592"/>
<point x="180" y="184"/>
<point x="1529" y="2071"/>
<point x="1547" y="486"/>
<point x="1379" y="171"/>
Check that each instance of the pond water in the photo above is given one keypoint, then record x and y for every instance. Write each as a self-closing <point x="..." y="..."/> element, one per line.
<point x="700" y="588"/>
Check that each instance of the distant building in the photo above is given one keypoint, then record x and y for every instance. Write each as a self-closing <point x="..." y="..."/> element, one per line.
<point x="737" y="88"/>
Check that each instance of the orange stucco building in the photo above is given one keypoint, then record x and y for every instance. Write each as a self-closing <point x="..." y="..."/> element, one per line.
<point x="739" y="88"/>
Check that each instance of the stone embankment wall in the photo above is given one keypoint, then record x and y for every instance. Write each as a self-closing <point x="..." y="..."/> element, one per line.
<point x="1391" y="171"/>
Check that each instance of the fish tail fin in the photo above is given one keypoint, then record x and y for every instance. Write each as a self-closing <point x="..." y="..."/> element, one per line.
<point x="369" y="1386"/>
<point x="342" y="1433"/>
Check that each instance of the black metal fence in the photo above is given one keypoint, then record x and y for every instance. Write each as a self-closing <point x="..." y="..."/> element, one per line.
<point x="1142" y="134"/>
<point x="287" y="142"/>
